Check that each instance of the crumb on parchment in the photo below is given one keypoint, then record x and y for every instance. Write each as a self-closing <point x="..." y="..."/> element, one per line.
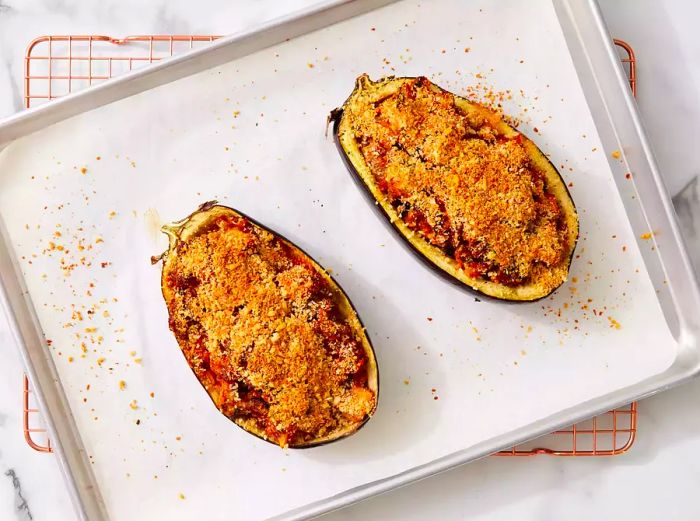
<point x="614" y="323"/>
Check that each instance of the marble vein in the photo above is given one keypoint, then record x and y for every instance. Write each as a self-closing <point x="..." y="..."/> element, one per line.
<point x="687" y="204"/>
<point x="21" y="505"/>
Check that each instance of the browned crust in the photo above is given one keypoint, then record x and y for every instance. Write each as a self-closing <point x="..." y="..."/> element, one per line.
<point x="269" y="334"/>
<point x="543" y="266"/>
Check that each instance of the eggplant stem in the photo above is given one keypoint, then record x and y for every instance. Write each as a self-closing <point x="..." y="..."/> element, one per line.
<point x="334" y="116"/>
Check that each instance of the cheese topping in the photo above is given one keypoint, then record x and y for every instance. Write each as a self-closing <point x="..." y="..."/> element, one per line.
<point x="461" y="185"/>
<point x="264" y="333"/>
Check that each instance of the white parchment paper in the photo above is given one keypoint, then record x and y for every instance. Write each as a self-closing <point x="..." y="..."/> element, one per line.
<point x="83" y="199"/>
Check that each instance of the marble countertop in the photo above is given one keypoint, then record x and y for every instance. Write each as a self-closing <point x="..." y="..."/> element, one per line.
<point x="657" y="479"/>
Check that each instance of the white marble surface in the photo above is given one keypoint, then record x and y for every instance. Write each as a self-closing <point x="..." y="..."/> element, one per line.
<point x="657" y="479"/>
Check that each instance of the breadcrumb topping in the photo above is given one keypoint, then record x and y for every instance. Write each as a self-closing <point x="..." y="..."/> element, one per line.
<point x="461" y="185"/>
<point x="263" y="331"/>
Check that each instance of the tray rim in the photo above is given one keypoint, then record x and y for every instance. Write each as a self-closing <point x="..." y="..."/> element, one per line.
<point x="24" y="327"/>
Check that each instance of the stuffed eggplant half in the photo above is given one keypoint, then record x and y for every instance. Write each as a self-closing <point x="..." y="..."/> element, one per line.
<point x="472" y="196"/>
<point x="269" y="334"/>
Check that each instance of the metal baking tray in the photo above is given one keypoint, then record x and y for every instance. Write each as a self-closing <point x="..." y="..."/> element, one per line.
<point x="646" y="203"/>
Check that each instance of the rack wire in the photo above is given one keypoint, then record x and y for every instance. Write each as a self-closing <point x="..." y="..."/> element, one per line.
<point x="58" y="65"/>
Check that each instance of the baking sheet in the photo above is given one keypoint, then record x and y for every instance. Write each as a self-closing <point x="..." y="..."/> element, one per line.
<point x="251" y="134"/>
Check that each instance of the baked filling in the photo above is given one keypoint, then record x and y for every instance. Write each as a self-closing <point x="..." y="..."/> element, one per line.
<point x="456" y="180"/>
<point x="266" y="333"/>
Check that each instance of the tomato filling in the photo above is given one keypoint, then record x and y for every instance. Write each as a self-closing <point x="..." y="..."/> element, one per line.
<point x="460" y="185"/>
<point x="233" y="355"/>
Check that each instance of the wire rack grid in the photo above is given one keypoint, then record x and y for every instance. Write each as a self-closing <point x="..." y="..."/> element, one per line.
<point x="58" y="65"/>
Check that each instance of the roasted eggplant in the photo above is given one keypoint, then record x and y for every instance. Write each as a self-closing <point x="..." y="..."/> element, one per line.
<point x="470" y="195"/>
<point x="271" y="337"/>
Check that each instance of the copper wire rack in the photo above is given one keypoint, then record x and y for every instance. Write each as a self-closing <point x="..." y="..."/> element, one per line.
<point x="58" y="65"/>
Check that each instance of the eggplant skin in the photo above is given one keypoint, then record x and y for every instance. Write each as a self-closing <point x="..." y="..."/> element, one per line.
<point x="269" y="334"/>
<point x="368" y="93"/>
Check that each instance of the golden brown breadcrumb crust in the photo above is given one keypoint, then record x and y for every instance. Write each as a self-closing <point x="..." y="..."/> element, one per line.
<point x="262" y="329"/>
<point x="462" y="186"/>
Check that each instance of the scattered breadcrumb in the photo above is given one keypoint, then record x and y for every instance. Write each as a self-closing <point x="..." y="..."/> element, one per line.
<point x="614" y="323"/>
